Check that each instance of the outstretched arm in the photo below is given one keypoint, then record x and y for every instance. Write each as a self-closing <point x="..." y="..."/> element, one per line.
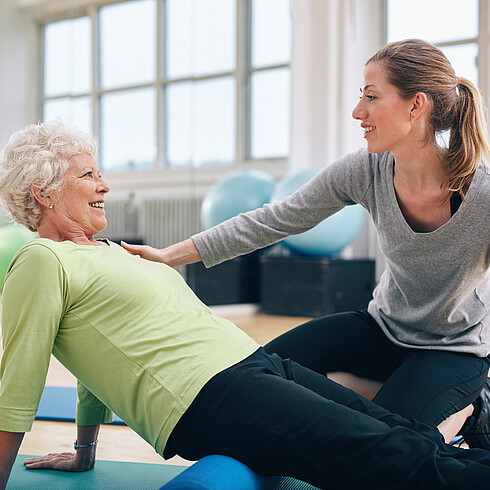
<point x="9" y="447"/>
<point x="82" y="460"/>
<point x="181" y="253"/>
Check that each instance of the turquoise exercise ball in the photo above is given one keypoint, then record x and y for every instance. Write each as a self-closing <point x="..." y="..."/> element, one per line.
<point x="12" y="238"/>
<point x="330" y="236"/>
<point x="235" y="193"/>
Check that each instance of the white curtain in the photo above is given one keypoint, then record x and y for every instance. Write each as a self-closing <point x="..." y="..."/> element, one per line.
<point x="332" y="39"/>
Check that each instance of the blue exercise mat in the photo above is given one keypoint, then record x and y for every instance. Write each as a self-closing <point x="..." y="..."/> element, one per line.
<point x="59" y="404"/>
<point x="218" y="472"/>
<point x="106" y="475"/>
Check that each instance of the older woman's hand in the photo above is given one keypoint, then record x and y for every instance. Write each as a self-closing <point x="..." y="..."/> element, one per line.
<point x="62" y="462"/>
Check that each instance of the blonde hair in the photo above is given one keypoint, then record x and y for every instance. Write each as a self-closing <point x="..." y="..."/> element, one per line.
<point x="38" y="154"/>
<point x="416" y="66"/>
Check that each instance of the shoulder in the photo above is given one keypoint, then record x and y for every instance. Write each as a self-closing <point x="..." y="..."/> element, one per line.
<point x="485" y="170"/>
<point x="481" y="184"/>
<point x="357" y="172"/>
<point x="39" y="249"/>
<point x="362" y="162"/>
<point x="37" y="256"/>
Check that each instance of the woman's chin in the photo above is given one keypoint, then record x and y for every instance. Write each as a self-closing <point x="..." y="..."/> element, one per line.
<point x="374" y="148"/>
<point x="99" y="227"/>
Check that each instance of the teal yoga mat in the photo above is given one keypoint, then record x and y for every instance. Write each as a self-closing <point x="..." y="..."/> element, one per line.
<point x="106" y="475"/>
<point x="115" y="475"/>
<point x="59" y="404"/>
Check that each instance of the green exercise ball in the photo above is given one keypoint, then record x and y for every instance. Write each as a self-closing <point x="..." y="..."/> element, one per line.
<point x="12" y="238"/>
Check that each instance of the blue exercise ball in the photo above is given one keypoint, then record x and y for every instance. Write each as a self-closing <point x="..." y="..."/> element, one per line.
<point x="235" y="193"/>
<point x="12" y="238"/>
<point x="330" y="236"/>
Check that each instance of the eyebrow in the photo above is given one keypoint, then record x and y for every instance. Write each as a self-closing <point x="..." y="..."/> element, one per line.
<point x="367" y="86"/>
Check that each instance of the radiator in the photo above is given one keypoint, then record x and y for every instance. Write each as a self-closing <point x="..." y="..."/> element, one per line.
<point x="167" y="221"/>
<point x="158" y="221"/>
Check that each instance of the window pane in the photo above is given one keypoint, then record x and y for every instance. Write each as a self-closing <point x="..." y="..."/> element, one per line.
<point x="464" y="60"/>
<point x="200" y="37"/>
<point x="200" y="127"/>
<point x="67" y="57"/>
<point x="215" y="122"/>
<point x="127" y="43"/>
<point x="178" y="134"/>
<point x="128" y="122"/>
<point x="435" y="20"/>
<point x="271" y="32"/>
<point x="270" y="113"/>
<point x="76" y="111"/>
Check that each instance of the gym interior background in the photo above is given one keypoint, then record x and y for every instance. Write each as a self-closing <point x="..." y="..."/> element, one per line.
<point x="182" y="92"/>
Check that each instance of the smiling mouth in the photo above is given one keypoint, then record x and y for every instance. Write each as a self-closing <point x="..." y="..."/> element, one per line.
<point x="369" y="129"/>
<point x="99" y="205"/>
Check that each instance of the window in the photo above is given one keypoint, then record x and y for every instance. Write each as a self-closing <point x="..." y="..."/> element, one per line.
<point x="66" y="91"/>
<point x="174" y="83"/>
<point x="453" y="25"/>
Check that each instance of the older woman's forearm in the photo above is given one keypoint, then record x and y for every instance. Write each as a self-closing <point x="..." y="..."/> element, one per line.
<point x="87" y="446"/>
<point x="9" y="447"/>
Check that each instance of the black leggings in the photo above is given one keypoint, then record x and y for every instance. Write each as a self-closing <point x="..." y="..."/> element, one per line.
<point x="280" y="418"/>
<point x="426" y="385"/>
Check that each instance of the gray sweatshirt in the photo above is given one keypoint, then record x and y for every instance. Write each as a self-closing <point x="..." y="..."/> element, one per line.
<point x="435" y="291"/>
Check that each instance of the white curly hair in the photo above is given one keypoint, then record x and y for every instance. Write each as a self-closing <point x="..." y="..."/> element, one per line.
<point x="38" y="154"/>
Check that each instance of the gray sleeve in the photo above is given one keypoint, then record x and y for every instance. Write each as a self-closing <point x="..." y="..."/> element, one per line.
<point x="344" y="182"/>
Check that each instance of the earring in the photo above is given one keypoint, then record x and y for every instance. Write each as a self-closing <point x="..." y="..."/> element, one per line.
<point x="51" y="206"/>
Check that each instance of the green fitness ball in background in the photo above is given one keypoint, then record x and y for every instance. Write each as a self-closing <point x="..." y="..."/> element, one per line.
<point x="12" y="238"/>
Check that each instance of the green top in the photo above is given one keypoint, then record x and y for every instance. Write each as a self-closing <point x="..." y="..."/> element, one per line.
<point x="140" y="343"/>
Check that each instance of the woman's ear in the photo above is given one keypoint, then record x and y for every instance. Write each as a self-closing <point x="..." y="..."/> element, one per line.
<point x="420" y="102"/>
<point x="38" y="194"/>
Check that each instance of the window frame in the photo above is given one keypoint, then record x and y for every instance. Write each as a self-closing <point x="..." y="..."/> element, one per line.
<point x="482" y="41"/>
<point x="162" y="175"/>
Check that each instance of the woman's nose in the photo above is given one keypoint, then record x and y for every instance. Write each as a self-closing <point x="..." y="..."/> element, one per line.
<point x="358" y="112"/>
<point x="103" y="186"/>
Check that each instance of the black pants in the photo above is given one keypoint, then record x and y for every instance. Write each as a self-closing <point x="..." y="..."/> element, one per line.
<point x="427" y="385"/>
<point x="280" y="418"/>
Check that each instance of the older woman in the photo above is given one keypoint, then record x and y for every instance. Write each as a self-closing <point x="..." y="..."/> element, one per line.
<point x="143" y="346"/>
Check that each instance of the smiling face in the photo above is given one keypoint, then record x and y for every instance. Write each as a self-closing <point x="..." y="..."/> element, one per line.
<point x="384" y="115"/>
<point x="79" y="207"/>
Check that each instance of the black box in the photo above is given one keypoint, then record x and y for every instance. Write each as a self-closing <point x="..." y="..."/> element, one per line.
<point x="232" y="282"/>
<point x="315" y="286"/>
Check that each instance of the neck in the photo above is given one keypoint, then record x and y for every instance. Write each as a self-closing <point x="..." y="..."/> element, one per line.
<point x="46" y="230"/>
<point x="421" y="167"/>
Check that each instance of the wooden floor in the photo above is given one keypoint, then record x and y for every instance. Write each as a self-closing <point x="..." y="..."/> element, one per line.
<point x="119" y="443"/>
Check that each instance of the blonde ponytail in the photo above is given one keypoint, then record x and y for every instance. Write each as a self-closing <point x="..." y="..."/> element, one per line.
<point x="468" y="144"/>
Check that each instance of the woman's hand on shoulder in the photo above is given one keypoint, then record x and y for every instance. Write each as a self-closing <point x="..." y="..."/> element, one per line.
<point x="181" y="253"/>
<point x="61" y="462"/>
<point x="146" y="252"/>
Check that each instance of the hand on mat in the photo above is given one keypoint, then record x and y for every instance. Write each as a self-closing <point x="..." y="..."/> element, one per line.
<point x="145" y="251"/>
<point x="61" y="462"/>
